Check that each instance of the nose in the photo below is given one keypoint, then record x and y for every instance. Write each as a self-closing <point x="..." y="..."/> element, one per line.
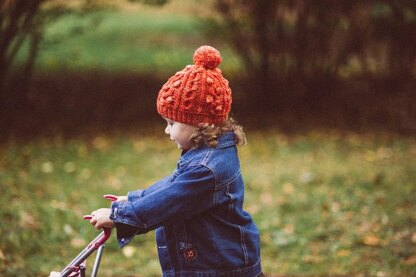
<point x="167" y="130"/>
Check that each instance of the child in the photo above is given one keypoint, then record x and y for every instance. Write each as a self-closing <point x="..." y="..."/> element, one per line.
<point x="201" y="227"/>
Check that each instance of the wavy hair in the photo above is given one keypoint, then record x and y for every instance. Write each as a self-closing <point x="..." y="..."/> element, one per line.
<point x="208" y="134"/>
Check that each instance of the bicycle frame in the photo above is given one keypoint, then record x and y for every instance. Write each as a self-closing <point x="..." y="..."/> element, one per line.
<point x="75" y="266"/>
<point x="97" y="244"/>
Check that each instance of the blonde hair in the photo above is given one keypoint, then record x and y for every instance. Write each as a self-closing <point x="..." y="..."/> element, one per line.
<point x="208" y="134"/>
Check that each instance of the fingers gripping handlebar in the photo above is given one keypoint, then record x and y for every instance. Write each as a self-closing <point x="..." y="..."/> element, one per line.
<point x="75" y="265"/>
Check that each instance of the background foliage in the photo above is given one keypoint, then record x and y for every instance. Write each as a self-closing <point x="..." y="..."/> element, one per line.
<point x="314" y="51"/>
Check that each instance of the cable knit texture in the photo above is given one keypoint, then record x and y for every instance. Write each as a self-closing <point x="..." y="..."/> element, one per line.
<point x="199" y="93"/>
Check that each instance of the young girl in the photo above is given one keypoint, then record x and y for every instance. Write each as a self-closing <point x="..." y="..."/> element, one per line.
<point x="201" y="227"/>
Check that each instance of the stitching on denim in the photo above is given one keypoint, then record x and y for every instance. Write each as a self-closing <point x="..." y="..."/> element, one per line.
<point x="215" y="183"/>
<point x="243" y="245"/>
<point x="206" y="157"/>
<point x="213" y="173"/>
<point x="231" y="204"/>
<point x="226" y="144"/>
<point x="123" y="206"/>
<point x="228" y="182"/>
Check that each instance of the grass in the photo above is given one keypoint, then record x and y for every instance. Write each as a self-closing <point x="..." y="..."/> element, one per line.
<point x="140" y="40"/>
<point x="326" y="204"/>
<point x="117" y="41"/>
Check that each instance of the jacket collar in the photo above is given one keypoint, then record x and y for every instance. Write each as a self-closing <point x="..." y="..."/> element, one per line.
<point x="226" y="140"/>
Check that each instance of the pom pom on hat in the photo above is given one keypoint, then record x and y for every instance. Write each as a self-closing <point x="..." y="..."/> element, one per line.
<point x="207" y="56"/>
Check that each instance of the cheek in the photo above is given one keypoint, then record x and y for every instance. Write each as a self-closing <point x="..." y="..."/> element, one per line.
<point x="173" y="131"/>
<point x="180" y="136"/>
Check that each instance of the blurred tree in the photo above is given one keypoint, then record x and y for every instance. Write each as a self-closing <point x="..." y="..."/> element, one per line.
<point x="23" y="22"/>
<point x="18" y="23"/>
<point x="316" y="42"/>
<point x="394" y="24"/>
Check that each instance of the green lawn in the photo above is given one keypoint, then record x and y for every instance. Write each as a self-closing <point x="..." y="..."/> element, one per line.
<point x="118" y="41"/>
<point x="326" y="204"/>
<point x="141" y="41"/>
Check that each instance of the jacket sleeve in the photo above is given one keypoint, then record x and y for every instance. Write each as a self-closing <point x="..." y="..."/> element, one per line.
<point x="189" y="194"/>
<point x="134" y="195"/>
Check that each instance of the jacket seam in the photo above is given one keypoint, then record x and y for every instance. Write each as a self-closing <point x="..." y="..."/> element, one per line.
<point x="243" y="245"/>
<point x="206" y="157"/>
<point x="119" y="218"/>
<point x="231" y="204"/>
<point x="215" y="183"/>
<point x="227" y="182"/>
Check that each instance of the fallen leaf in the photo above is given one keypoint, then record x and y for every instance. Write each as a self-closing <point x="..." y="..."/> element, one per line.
<point x="28" y="221"/>
<point x="410" y="260"/>
<point x="129" y="251"/>
<point x="100" y="143"/>
<point x="313" y="259"/>
<point x="69" y="167"/>
<point x="68" y="229"/>
<point x="289" y="229"/>
<point x="266" y="198"/>
<point x="47" y="167"/>
<point x="288" y="188"/>
<point x="58" y="205"/>
<point x="371" y="240"/>
<point x="343" y="253"/>
<point x="414" y="238"/>
<point x="307" y="177"/>
<point x="77" y="242"/>
<point x="253" y="208"/>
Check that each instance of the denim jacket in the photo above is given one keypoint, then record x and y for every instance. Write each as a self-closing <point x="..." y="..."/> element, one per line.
<point x="201" y="227"/>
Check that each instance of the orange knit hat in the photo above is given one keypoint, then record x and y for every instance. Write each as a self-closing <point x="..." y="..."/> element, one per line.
<point x="199" y="93"/>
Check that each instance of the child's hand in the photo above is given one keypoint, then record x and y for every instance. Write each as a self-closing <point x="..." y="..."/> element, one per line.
<point x="101" y="218"/>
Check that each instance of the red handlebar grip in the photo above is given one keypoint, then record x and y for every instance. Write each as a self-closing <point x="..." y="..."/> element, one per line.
<point x="111" y="197"/>
<point x="88" y="217"/>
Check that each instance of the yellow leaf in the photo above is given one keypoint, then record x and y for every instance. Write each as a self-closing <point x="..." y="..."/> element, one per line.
<point x="289" y="229"/>
<point x="129" y="251"/>
<point x="371" y="240"/>
<point x="29" y="221"/>
<point x="343" y="253"/>
<point x="266" y="198"/>
<point x="288" y="188"/>
<point x="78" y="242"/>
<point x="100" y="143"/>
<point x="253" y="208"/>
<point x="47" y="167"/>
<point x="410" y="260"/>
<point x="414" y="238"/>
<point x="69" y="167"/>
<point x="313" y="259"/>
